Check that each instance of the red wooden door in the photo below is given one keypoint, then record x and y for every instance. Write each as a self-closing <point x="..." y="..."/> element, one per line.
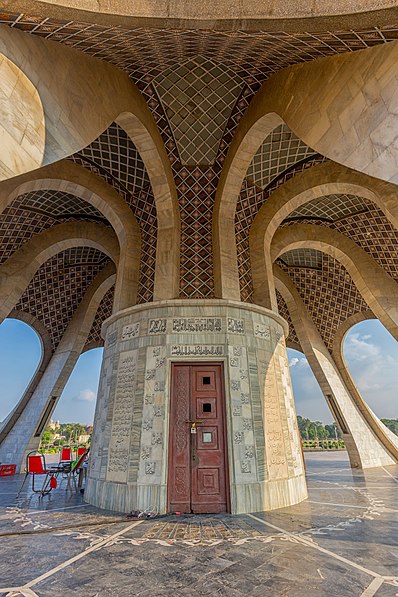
<point x="197" y="461"/>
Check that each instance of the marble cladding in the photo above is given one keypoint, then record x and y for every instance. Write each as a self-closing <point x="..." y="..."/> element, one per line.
<point x="129" y="462"/>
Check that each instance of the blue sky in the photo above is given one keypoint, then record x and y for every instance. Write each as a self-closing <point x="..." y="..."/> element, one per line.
<point x="370" y="352"/>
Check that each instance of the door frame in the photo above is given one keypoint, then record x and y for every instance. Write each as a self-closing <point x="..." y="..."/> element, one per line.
<point x="223" y="405"/>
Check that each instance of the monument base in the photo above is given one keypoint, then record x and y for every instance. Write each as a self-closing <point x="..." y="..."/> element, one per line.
<point x="161" y="437"/>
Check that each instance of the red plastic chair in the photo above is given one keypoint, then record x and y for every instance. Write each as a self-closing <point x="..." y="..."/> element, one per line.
<point x="36" y="466"/>
<point x="80" y="451"/>
<point x="66" y="454"/>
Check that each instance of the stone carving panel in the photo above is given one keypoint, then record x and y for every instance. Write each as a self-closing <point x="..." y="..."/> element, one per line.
<point x="236" y="326"/>
<point x="196" y="324"/>
<point x="153" y="415"/>
<point x="274" y="444"/>
<point x="293" y="440"/>
<point x="242" y="428"/>
<point x="131" y="331"/>
<point x="119" y="445"/>
<point x="199" y="350"/>
<point x="157" y="326"/>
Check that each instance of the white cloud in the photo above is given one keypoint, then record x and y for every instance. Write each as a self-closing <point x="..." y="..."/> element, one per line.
<point x="86" y="395"/>
<point x="293" y="362"/>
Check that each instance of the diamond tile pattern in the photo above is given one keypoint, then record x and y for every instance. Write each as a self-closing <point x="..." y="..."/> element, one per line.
<point x="114" y="152"/>
<point x="58" y="287"/>
<point x="284" y="312"/>
<point x="196" y="188"/>
<point x="34" y="212"/>
<point x="328" y="293"/>
<point x="139" y="50"/>
<point x="302" y="258"/>
<point x="369" y="228"/>
<point x="104" y="311"/>
<point x="198" y="97"/>
<point x="250" y="200"/>
<point x="331" y="207"/>
<point x="280" y="150"/>
<point x="152" y="57"/>
<point x="114" y="157"/>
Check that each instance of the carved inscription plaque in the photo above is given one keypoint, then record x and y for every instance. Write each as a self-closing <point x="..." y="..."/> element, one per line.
<point x="122" y="417"/>
<point x="197" y="324"/>
<point x="131" y="331"/>
<point x="197" y="351"/>
<point x="275" y="446"/>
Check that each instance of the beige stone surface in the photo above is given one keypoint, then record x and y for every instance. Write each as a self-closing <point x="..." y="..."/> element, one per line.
<point x="245" y="14"/>
<point x="341" y="106"/>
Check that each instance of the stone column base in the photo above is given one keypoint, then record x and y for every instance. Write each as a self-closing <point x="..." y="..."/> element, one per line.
<point x="129" y="454"/>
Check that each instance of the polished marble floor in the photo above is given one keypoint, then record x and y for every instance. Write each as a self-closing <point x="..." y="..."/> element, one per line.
<point x="342" y="541"/>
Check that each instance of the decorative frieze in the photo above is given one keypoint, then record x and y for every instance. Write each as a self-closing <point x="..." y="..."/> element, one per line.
<point x="146" y="452"/>
<point x="236" y="326"/>
<point x="245" y="466"/>
<point x="119" y="444"/>
<point x="262" y="331"/>
<point x="197" y="351"/>
<point x="239" y="437"/>
<point x="157" y="326"/>
<point x="150" y="468"/>
<point x="131" y="331"/>
<point x="196" y="324"/>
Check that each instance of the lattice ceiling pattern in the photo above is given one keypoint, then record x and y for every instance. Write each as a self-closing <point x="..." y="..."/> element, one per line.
<point x="115" y="153"/>
<point x="329" y="295"/>
<point x="33" y="212"/>
<point x="197" y="189"/>
<point x="104" y="311"/>
<point x="331" y="207"/>
<point x="250" y="200"/>
<point x="114" y="157"/>
<point x="284" y="312"/>
<point x="140" y="50"/>
<point x="280" y="150"/>
<point x="369" y="228"/>
<point x="302" y="258"/>
<point x="198" y="97"/>
<point x="58" y="287"/>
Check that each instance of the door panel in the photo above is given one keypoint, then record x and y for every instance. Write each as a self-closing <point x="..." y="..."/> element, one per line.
<point x="200" y="460"/>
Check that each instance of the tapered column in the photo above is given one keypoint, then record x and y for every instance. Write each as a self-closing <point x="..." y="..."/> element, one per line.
<point x="369" y="443"/>
<point x="34" y="414"/>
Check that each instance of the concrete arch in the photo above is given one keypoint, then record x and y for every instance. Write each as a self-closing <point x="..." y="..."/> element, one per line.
<point x="147" y="139"/>
<point x="378" y="289"/>
<point x="23" y="435"/>
<point x="368" y="441"/>
<point x="74" y="179"/>
<point x="323" y="179"/>
<point x="338" y="357"/>
<point x="23" y="145"/>
<point x="46" y="355"/>
<point x="19" y="269"/>
<point x="71" y="126"/>
<point x="305" y="105"/>
<point x="344" y="328"/>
